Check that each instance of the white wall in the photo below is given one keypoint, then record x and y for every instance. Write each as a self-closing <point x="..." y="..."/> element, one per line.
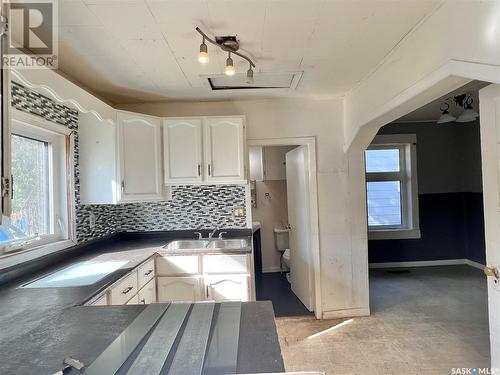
<point x="342" y="290"/>
<point x="271" y="212"/>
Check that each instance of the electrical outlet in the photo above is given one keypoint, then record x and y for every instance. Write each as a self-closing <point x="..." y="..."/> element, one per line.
<point x="239" y="211"/>
<point x="92" y="220"/>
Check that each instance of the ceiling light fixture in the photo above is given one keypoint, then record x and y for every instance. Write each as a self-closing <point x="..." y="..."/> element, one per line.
<point x="250" y="75"/>
<point x="468" y="114"/>
<point x="203" y="55"/>
<point x="228" y="44"/>
<point x="461" y="101"/>
<point x="445" y="115"/>
<point x="229" y="70"/>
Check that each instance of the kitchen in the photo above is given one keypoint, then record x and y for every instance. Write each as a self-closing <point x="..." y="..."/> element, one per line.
<point x="126" y="194"/>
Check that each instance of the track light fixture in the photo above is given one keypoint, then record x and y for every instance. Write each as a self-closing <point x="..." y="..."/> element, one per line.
<point x="250" y="75"/>
<point x="203" y="55"/>
<point x="229" y="66"/>
<point x="228" y="44"/>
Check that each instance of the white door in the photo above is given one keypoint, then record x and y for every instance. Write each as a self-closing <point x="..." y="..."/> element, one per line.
<point x="297" y="183"/>
<point x="179" y="288"/>
<point x="183" y="150"/>
<point x="489" y="100"/>
<point x="139" y="139"/>
<point x="224" y="149"/>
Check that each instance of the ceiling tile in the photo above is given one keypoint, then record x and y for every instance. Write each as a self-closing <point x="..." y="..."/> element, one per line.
<point x="129" y="21"/>
<point x="75" y="12"/>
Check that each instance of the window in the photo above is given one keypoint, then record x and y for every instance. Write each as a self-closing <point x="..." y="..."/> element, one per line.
<point x="41" y="183"/>
<point x="391" y="187"/>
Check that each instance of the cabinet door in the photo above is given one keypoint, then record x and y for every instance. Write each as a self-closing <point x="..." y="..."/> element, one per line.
<point x="147" y="294"/>
<point x="139" y="139"/>
<point x="179" y="289"/>
<point x="97" y="158"/>
<point x="227" y="287"/>
<point x="183" y="155"/>
<point x="224" y="150"/>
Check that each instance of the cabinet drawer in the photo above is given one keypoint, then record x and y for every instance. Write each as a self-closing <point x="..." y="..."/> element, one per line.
<point x="225" y="264"/>
<point x="147" y="294"/>
<point x="123" y="291"/>
<point x="227" y="288"/>
<point x="146" y="272"/>
<point x="101" y="301"/>
<point x="134" y="300"/>
<point x="179" y="289"/>
<point x="177" y="265"/>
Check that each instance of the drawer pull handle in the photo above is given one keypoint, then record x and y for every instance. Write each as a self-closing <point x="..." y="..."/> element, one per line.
<point x="142" y="301"/>
<point x="148" y="272"/>
<point x="127" y="290"/>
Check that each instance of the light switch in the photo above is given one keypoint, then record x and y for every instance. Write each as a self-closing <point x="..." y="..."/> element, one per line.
<point x="239" y="211"/>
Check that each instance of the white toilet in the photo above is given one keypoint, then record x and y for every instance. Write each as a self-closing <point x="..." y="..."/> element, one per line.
<point x="282" y="244"/>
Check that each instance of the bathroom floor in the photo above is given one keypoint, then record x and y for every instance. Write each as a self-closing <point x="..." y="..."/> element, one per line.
<point x="275" y="287"/>
<point x="427" y="321"/>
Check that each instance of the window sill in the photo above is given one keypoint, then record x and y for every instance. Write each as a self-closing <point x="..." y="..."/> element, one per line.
<point x="17" y="258"/>
<point x="394" y="234"/>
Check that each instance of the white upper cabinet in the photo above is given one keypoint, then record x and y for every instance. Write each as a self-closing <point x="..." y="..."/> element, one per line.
<point x="97" y="157"/>
<point x="224" y="149"/>
<point x="139" y="140"/>
<point x="183" y="150"/>
<point x="206" y="150"/>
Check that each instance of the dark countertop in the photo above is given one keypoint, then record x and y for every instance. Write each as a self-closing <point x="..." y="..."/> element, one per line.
<point x="40" y="327"/>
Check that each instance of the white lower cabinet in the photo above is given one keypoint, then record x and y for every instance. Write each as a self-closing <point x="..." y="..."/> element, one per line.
<point x="147" y="294"/>
<point x="227" y="287"/>
<point x="124" y="289"/>
<point x="186" y="278"/>
<point x="133" y="301"/>
<point x="179" y="288"/>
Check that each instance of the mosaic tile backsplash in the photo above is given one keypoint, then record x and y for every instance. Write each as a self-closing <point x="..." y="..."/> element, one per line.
<point x="191" y="207"/>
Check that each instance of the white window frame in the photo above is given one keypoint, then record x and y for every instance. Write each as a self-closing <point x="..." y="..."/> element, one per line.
<point x="61" y="184"/>
<point x="407" y="175"/>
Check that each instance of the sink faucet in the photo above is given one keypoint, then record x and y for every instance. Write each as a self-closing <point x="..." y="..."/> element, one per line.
<point x="211" y="234"/>
<point x="221" y="234"/>
<point x="200" y="236"/>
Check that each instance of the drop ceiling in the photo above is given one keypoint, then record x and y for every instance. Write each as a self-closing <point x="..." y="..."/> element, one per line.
<point x="131" y="51"/>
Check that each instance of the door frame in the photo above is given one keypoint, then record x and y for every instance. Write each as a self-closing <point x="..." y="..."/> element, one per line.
<point x="310" y="143"/>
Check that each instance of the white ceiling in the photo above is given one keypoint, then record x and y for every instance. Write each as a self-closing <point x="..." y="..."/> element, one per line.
<point x="131" y="51"/>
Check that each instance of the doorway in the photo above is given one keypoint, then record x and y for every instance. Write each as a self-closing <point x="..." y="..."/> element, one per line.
<point x="426" y="234"/>
<point x="283" y="195"/>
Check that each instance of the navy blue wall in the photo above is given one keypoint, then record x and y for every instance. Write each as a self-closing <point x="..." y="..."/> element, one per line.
<point x="450" y="196"/>
<point x="451" y="225"/>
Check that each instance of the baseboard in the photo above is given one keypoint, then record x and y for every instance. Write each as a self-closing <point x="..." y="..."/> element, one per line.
<point x="347" y="313"/>
<point x="271" y="269"/>
<point x="474" y="264"/>
<point x="427" y="263"/>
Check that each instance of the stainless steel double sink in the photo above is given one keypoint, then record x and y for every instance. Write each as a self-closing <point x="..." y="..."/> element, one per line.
<point x="207" y="244"/>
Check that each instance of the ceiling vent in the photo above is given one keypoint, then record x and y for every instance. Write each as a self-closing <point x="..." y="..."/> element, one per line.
<point x="261" y="81"/>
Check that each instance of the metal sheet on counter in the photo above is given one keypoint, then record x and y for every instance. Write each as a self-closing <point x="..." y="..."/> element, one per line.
<point x="190" y="353"/>
<point x="153" y="355"/>
<point x="113" y="357"/>
<point x="222" y="353"/>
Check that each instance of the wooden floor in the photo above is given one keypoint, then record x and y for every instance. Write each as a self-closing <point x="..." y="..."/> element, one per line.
<point x="426" y="321"/>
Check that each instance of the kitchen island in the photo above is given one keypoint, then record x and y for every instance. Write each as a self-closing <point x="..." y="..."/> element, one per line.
<point x="42" y="326"/>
